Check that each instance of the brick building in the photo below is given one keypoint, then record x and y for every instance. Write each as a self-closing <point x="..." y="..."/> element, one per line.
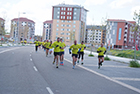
<point x="120" y="35"/>
<point x="95" y="34"/>
<point x="47" y="30"/>
<point x="26" y="29"/>
<point x="69" y="23"/>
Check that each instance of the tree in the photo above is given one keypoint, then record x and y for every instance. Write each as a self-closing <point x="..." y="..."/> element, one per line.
<point x="135" y="28"/>
<point x="105" y="24"/>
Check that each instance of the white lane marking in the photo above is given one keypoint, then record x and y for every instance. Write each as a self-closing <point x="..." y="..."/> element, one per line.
<point x="108" y="66"/>
<point x="30" y="59"/>
<point x="129" y="79"/>
<point x="49" y="90"/>
<point x="35" y="68"/>
<point x="8" y="50"/>
<point x="108" y="78"/>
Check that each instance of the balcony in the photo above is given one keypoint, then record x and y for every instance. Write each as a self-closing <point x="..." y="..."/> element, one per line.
<point x="125" y="35"/>
<point x="125" y="30"/>
<point x="125" y="39"/>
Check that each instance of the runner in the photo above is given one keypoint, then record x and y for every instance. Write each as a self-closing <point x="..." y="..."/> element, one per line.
<point x="47" y="44"/>
<point x="57" y="46"/>
<point x="63" y="45"/>
<point x="101" y="51"/>
<point x="50" y="48"/>
<point x="81" y="53"/>
<point x="36" y="45"/>
<point x="75" y="49"/>
<point x="40" y="45"/>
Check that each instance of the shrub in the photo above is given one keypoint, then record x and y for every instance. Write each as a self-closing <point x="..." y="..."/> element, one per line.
<point x="91" y="55"/>
<point x="134" y="64"/>
<point x="107" y="58"/>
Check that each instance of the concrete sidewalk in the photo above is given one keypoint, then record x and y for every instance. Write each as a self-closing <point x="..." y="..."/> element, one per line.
<point x="115" y="58"/>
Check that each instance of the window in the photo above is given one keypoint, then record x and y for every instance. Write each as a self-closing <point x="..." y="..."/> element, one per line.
<point x="57" y="21"/>
<point x="62" y="33"/>
<point x="74" y="17"/>
<point x="70" y="13"/>
<point x="57" y="29"/>
<point x="57" y="25"/>
<point x="61" y="13"/>
<point x="67" y="13"/>
<point x="68" y="9"/>
<point x="74" y="13"/>
<point x="70" y="17"/>
<point x="58" y="17"/>
<point x="61" y="17"/>
<point x="73" y="26"/>
<point x="64" y="13"/>
<point x="64" y="8"/>
<point x="75" y="9"/>
<point x="67" y="33"/>
<point x="58" y="8"/>
<point x="62" y="29"/>
<point x="67" y="38"/>
<point x="67" y="17"/>
<point x="58" y="12"/>
<point x="74" y="22"/>
<point x="56" y="33"/>
<point x="61" y="8"/>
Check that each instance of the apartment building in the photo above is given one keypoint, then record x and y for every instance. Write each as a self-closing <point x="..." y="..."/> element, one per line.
<point x="120" y="34"/>
<point x="69" y="23"/>
<point x="2" y="25"/>
<point x="95" y="35"/>
<point x="47" y="30"/>
<point x="26" y="30"/>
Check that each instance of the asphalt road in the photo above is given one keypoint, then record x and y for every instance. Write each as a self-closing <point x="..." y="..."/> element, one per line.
<point x="24" y="71"/>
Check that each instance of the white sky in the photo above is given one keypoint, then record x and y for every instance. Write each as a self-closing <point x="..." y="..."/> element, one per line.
<point x="41" y="10"/>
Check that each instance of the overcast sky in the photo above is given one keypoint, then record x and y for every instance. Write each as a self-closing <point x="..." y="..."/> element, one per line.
<point x="41" y="10"/>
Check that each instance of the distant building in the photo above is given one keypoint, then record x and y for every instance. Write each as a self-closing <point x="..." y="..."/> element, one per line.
<point x="37" y="37"/>
<point x="120" y="35"/>
<point x="47" y="30"/>
<point x="26" y="29"/>
<point x="2" y="27"/>
<point x="95" y="34"/>
<point x="69" y="23"/>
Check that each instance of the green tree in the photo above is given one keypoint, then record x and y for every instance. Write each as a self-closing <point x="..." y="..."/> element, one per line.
<point x="135" y="28"/>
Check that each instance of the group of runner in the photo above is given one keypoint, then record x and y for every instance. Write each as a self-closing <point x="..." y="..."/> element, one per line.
<point x="77" y="51"/>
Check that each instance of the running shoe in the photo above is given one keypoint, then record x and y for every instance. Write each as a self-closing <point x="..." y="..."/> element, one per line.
<point x="53" y="62"/>
<point x="99" y="66"/>
<point x="73" y="67"/>
<point x="82" y="63"/>
<point x="56" y="66"/>
<point x="62" y="63"/>
<point x="78" y="61"/>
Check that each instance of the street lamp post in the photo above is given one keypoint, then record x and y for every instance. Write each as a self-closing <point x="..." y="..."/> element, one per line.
<point x="18" y="25"/>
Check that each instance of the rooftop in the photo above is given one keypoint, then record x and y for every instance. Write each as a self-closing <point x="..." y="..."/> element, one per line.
<point x="95" y="27"/>
<point x="67" y="5"/>
<point x="23" y="19"/>
<point x="48" y="21"/>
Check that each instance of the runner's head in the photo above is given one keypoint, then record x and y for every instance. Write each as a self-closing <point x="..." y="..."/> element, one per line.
<point x="61" y="39"/>
<point x="51" y="42"/>
<point x="102" y="44"/>
<point x="75" y="42"/>
<point x="82" y="42"/>
<point x="47" y="40"/>
<point x="58" y="39"/>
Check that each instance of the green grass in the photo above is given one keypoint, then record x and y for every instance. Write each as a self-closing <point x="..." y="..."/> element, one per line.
<point x="125" y="53"/>
<point x="91" y="55"/>
<point x="107" y="58"/>
<point x="134" y="64"/>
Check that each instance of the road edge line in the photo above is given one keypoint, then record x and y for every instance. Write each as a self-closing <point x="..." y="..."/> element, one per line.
<point x="108" y="78"/>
